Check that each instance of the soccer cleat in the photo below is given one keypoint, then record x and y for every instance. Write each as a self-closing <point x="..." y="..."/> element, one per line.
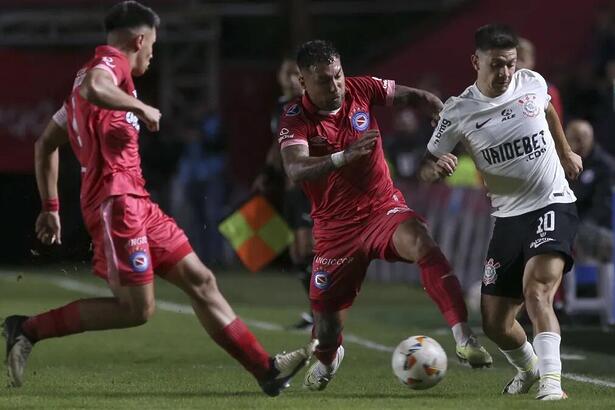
<point x="18" y="348"/>
<point x="550" y="389"/>
<point x="473" y="354"/>
<point x="284" y="366"/>
<point x="319" y="375"/>
<point x="522" y="382"/>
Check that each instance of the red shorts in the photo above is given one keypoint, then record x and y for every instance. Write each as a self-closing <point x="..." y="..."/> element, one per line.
<point x="132" y="239"/>
<point x="340" y="265"/>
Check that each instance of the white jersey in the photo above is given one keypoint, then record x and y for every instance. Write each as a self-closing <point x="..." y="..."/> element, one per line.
<point x="509" y="140"/>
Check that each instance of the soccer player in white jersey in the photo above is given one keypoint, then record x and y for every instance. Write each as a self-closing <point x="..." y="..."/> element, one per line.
<point x="506" y="122"/>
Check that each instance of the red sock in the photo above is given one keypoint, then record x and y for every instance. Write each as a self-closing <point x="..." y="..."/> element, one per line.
<point x="443" y="286"/>
<point x="55" y="323"/>
<point x="326" y="353"/>
<point x="240" y="343"/>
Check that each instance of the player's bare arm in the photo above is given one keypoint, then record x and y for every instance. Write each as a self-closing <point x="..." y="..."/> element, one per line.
<point x="408" y="96"/>
<point x="571" y="162"/>
<point x="300" y="166"/>
<point x="433" y="169"/>
<point x="46" y="160"/>
<point x="99" y="89"/>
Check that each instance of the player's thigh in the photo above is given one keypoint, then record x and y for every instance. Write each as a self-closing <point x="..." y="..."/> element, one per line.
<point x="543" y="273"/>
<point x="412" y="240"/>
<point x="498" y="313"/>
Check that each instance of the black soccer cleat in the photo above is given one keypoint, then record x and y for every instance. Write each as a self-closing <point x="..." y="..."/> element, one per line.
<point x="284" y="366"/>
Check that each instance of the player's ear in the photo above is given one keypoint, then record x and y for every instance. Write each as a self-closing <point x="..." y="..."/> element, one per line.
<point x="139" y="40"/>
<point x="301" y="80"/>
<point x="474" y="60"/>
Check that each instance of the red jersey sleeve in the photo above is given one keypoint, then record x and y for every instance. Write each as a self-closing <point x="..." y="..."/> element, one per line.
<point x="376" y="90"/>
<point x="117" y="67"/>
<point x="292" y="129"/>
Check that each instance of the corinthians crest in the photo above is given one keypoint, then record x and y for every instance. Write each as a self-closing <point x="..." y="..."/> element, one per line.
<point x="491" y="274"/>
<point x="530" y="108"/>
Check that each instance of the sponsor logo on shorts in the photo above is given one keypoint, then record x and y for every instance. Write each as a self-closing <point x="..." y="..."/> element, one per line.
<point x="333" y="261"/>
<point x="139" y="261"/>
<point x="398" y="210"/>
<point x="360" y="121"/>
<point x="540" y="241"/>
<point x="491" y="274"/>
<point x="293" y="110"/>
<point x="322" y="280"/>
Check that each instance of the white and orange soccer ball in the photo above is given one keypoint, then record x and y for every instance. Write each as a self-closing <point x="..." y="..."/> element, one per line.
<point x="419" y="362"/>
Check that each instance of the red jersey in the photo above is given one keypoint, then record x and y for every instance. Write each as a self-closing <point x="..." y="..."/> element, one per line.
<point x="106" y="142"/>
<point x="347" y="196"/>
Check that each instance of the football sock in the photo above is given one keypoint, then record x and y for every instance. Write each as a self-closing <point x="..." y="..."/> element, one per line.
<point x="546" y="345"/>
<point x="443" y="286"/>
<point x="462" y="332"/>
<point x="326" y="353"/>
<point x="58" y="322"/>
<point x="242" y="345"/>
<point x="523" y="357"/>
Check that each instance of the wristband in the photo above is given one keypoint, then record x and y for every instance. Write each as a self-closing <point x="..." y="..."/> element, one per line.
<point x="51" y="205"/>
<point x="338" y="159"/>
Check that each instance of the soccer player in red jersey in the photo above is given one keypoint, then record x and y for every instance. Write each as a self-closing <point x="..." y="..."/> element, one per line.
<point x="133" y="239"/>
<point x="331" y="145"/>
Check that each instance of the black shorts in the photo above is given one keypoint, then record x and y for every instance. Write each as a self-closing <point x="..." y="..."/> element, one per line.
<point x="297" y="209"/>
<point x="516" y="239"/>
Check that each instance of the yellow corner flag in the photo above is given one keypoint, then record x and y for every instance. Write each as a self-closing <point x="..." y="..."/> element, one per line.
<point x="256" y="232"/>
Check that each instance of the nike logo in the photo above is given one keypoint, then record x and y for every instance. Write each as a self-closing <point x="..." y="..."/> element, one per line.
<point x="480" y="125"/>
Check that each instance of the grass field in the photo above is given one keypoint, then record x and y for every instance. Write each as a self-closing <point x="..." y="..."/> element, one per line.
<point x="171" y="363"/>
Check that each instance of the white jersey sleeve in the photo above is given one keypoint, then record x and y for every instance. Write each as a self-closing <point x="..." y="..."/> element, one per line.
<point x="60" y="117"/>
<point x="529" y="76"/>
<point x="447" y="134"/>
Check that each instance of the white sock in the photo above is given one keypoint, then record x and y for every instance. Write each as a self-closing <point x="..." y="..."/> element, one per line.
<point x="462" y="332"/>
<point x="523" y="357"/>
<point x="546" y="345"/>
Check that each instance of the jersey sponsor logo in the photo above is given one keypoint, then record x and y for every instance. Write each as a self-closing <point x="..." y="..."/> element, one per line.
<point x="108" y="62"/>
<point x="322" y="280"/>
<point x="530" y="109"/>
<point x="132" y="119"/>
<point x="540" y="241"/>
<point x="333" y="261"/>
<point x="293" y="110"/>
<point x="398" y="210"/>
<point x="285" y="135"/>
<point x="480" y="125"/>
<point x="490" y="275"/>
<point x="141" y="240"/>
<point x="139" y="261"/>
<point x="360" y="121"/>
<point x="507" y="114"/>
<point x="444" y="124"/>
<point x="531" y="146"/>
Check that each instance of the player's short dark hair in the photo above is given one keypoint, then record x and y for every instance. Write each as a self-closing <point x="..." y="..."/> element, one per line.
<point x="130" y="14"/>
<point x="495" y="36"/>
<point x="315" y="52"/>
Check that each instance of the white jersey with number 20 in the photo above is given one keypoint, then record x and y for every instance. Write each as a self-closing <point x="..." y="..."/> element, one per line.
<point x="509" y="140"/>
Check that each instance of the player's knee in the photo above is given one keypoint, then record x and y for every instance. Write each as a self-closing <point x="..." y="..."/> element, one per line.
<point x="414" y="239"/>
<point x="537" y="294"/>
<point x="202" y="284"/>
<point x="142" y="314"/>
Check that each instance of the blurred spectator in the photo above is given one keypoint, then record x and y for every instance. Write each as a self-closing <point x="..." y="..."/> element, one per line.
<point x="405" y="146"/>
<point x="526" y="58"/>
<point x="593" y="192"/>
<point x="201" y="179"/>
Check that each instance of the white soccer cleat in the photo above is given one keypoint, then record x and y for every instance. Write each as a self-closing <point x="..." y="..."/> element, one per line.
<point x="522" y="382"/>
<point x="550" y="389"/>
<point x="18" y="348"/>
<point x="319" y="375"/>
<point x="284" y="367"/>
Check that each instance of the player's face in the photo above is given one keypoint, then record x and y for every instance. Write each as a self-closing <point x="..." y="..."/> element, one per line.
<point x="325" y="85"/>
<point x="146" y="51"/>
<point x="495" y="69"/>
<point x="288" y="78"/>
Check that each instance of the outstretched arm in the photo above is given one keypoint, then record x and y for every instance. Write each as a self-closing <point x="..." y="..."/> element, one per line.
<point x="46" y="162"/>
<point x="571" y="162"/>
<point x="414" y="97"/>
<point x="99" y="89"/>
<point x="300" y="166"/>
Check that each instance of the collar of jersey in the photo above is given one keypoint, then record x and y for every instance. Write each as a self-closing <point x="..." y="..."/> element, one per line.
<point x="313" y="109"/>
<point x="509" y="91"/>
<point x="107" y="49"/>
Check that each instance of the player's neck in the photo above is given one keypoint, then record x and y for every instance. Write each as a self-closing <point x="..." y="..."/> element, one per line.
<point x="487" y="91"/>
<point x="126" y="50"/>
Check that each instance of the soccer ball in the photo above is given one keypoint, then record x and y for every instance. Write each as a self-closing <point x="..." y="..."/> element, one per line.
<point x="419" y="362"/>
